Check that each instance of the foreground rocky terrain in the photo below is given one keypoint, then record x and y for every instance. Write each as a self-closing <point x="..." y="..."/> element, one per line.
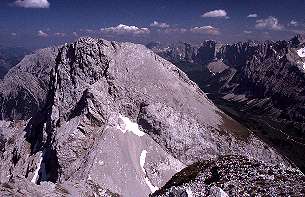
<point x="261" y="84"/>
<point x="100" y="118"/>
<point x="234" y="176"/>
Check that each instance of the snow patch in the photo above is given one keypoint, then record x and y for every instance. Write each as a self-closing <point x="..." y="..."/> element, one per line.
<point x="281" y="56"/>
<point x="303" y="63"/>
<point x="142" y="160"/>
<point x="151" y="187"/>
<point x="223" y="193"/>
<point x="301" y="52"/>
<point x="147" y="181"/>
<point x="36" y="172"/>
<point x="189" y="193"/>
<point x="129" y="126"/>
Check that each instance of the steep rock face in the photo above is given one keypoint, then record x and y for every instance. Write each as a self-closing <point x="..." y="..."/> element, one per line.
<point x="111" y="117"/>
<point x="25" y="87"/>
<point x="234" y="176"/>
<point x="261" y="84"/>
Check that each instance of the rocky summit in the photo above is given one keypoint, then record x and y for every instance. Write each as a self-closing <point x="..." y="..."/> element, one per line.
<point x="101" y="118"/>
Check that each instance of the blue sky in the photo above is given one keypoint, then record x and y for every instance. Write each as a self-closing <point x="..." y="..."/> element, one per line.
<point x="40" y="23"/>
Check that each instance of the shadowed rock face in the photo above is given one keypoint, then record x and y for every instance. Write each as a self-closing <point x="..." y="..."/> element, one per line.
<point x="234" y="176"/>
<point x="260" y="84"/>
<point x="96" y="116"/>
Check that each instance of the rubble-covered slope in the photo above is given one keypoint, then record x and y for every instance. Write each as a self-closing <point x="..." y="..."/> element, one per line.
<point x="109" y="116"/>
<point x="234" y="176"/>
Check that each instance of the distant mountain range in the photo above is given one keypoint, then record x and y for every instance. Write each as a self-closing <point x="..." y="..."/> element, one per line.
<point x="9" y="57"/>
<point x="259" y="84"/>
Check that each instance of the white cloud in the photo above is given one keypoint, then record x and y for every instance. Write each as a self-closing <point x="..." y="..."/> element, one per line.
<point x="40" y="33"/>
<point x="125" y="29"/>
<point x="13" y="34"/>
<point x="159" y="24"/>
<point x="293" y="23"/>
<point x="205" y="30"/>
<point x="32" y="3"/>
<point x="174" y="30"/>
<point x="215" y="14"/>
<point x="252" y="16"/>
<point x="297" y="31"/>
<point x="75" y="34"/>
<point x="60" y="34"/>
<point x="270" y="23"/>
<point x="89" y="30"/>
<point x="247" y="32"/>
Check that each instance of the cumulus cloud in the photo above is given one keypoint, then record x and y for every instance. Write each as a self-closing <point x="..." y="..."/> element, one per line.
<point x="175" y="30"/>
<point x="75" y="34"/>
<point x="293" y="23"/>
<point x="270" y="23"/>
<point x="40" y="33"/>
<point x="252" y="16"/>
<point x="60" y="34"/>
<point x="205" y="30"/>
<point x="215" y="14"/>
<point x="88" y="30"/>
<point x="125" y="29"/>
<point x="159" y="24"/>
<point x="298" y="31"/>
<point x="247" y="32"/>
<point x="32" y="3"/>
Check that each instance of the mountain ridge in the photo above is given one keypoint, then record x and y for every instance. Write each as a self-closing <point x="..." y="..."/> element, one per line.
<point x="96" y="117"/>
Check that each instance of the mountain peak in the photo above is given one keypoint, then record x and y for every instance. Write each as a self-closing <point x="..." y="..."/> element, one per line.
<point x="111" y="116"/>
<point x="297" y="40"/>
